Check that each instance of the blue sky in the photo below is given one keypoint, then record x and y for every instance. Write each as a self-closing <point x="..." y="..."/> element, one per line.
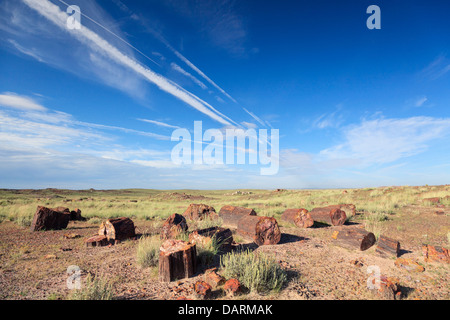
<point x="96" y="107"/>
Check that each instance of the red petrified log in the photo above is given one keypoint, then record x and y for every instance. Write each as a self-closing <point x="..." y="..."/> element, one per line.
<point x="231" y="215"/>
<point x="354" y="237"/>
<point x="202" y="289"/>
<point x="117" y="229"/>
<point x="432" y="253"/>
<point x="232" y="287"/>
<point x="199" y="212"/>
<point x="387" y="246"/>
<point x="173" y="226"/>
<point x="222" y="236"/>
<point x="300" y="217"/>
<point x="48" y="219"/>
<point x="262" y="230"/>
<point x="177" y="260"/>
<point x="97" y="241"/>
<point x="331" y="216"/>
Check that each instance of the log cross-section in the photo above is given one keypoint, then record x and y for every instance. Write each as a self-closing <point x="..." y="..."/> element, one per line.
<point x="199" y="212"/>
<point x="117" y="229"/>
<point x="300" y="217"/>
<point x="177" y="260"/>
<point x="173" y="226"/>
<point x="262" y="230"/>
<point x="354" y="237"/>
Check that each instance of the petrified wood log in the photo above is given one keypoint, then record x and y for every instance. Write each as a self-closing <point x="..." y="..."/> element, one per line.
<point x="117" y="229"/>
<point x="331" y="216"/>
<point x="262" y="230"/>
<point x="231" y="215"/>
<point x="97" y="241"/>
<point x="199" y="212"/>
<point x="49" y="219"/>
<point x="432" y="253"/>
<point x="173" y="226"/>
<point x="177" y="260"/>
<point x="300" y="217"/>
<point x="349" y="209"/>
<point x="354" y="237"/>
<point x="75" y="215"/>
<point x="388" y="247"/>
<point x="203" y="237"/>
<point x="202" y="290"/>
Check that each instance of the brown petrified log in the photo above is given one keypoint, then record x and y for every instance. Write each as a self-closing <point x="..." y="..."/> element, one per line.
<point x="386" y="288"/>
<point x="199" y="212"/>
<point x="262" y="230"/>
<point x="75" y="215"/>
<point x="96" y="241"/>
<point x="354" y="237"/>
<point x="349" y="209"/>
<point x="432" y="253"/>
<point x="173" y="226"/>
<point x="231" y="215"/>
<point x="387" y="247"/>
<point x="213" y="278"/>
<point x="202" y="289"/>
<point x="177" y="260"/>
<point x="331" y="216"/>
<point x="117" y="229"/>
<point x="203" y="237"/>
<point x="300" y="217"/>
<point x="48" y="219"/>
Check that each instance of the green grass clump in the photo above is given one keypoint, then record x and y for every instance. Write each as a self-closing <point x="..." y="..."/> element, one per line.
<point x="96" y="288"/>
<point x="256" y="271"/>
<point x="207" y="252"/>
<point x="147" y="254"/>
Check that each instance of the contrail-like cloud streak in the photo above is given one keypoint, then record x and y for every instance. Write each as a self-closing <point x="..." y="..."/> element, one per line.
<point x="97" y="43"/>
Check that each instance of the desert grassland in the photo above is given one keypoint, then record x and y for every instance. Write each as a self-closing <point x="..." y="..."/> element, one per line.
<point x="374" y="205"/>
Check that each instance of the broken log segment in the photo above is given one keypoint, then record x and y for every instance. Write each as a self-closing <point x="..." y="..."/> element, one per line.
<point x="388" y="247"/>
<point x="262" y="230"/>
<point x="354" y="237"/>
<point x="349" y="209"/>
<point x="177" y="260"/>
<point x="199" y="212"/>
<point x="432" y="253"/>
<point x="222" y="236"/>
<point x="202" y="289"/>
<point x="330" y="216"/>
<point x="231" y="215"/>
<point x="117" y="229"/>
<point x="173" y="226"/>
<point x="49" y="219"/>
<point x="97" y="241"/>
<point x="300" y="217"/>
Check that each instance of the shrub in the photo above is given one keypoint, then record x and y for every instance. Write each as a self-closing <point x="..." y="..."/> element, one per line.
<point x="255" y="271"/>
<point x="148" y="251"/>
<point x="96" y="288"/>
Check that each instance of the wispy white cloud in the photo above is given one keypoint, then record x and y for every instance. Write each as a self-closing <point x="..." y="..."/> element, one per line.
<point x="420" y="101"/>
<point x="159" y="123"/>
<point x="177" y="68"/>
<point x="437" y="68"/>
<point x="12" y="100"/>
<point x="382" y="140"/>
<point x="98" y="44"/>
